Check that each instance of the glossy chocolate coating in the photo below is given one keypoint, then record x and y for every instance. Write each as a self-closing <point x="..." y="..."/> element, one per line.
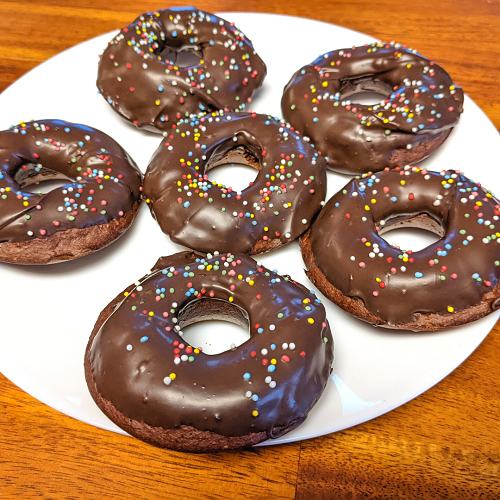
<point x="103" y="181"/>
<point x="459" y="271"/>
<point x="422" y="104"/>
<point x="152" y="91"/>
<point x="274" y="210"/>
<point x="140" y="363"/>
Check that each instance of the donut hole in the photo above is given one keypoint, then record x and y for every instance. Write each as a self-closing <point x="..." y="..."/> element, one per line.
<point x="35" y="179"/>
<point x="210" y="324"/>
<point x="183" y="56"/>
<point x="414" y="233"/>
<point x="237" y="168"/>
<point x="364" y="92"/>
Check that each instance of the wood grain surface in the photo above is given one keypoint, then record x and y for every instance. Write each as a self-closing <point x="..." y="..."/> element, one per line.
<point x="443" y="444"/>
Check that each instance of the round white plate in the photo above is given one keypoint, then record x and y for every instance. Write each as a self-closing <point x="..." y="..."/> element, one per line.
<point x="47" y="313"/>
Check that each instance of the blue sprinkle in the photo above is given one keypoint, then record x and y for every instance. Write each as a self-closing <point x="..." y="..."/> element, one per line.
<point x="480" y="221"/>
<point x="418" y="275"/>
<point x="465" y="242"/>
<point x="255" y="397"/>
<point x="174" y="34"/>
<point x="186" y="204"/>
<point x="271" y="368"/>
<point x="67" y="129"/>
<point x="254" y="223"/>
<point x="160" y="88"/>
<point x="475" y="276"/>
<point x="246" y="376"/>
<point x="273" y="346"/>
<point x="144" y="339"/>
<point x="394" y="199"/>
<point x="260" y="330"/>
<point x="447" y="246"/>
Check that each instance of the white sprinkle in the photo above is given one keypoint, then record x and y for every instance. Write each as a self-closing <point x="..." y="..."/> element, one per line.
<point x="167" y="380"/>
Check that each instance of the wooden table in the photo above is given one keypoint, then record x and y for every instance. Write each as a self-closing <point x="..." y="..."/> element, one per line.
<point x="443" y="444"/>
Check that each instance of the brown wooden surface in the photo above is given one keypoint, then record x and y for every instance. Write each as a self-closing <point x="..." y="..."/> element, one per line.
<point x="443" y="444"/>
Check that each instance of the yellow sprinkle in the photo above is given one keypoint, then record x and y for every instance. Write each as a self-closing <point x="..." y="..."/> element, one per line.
<point x="25" y="203"/>
<point x="403" y="183"/>
<point x="377" y="280"/>
<point x="367" y="207"/>
<point x="273" y="361"/>
<point x="251" y="282"/>
<point x="148" y="200"/>
<point x="368" y="244"/>
<point x="240" y="277"/>
<point x="325" y="84"/>
<point x="255" y="413"/>
<point x="373" y="200"/>
<point x="266" y="228"/>
<point x="172" y="376"/>
<point x="408" y="66"/>
<point x="151" y="313"/>
<point x="197" y="351"/>
<point x="157" y="102"/>
<point x="209" y="267"/>
<point x="230" y="299"/>
<point x="450" y="309"/>
<point x="310" y="321"/>
<point x="126" y="293"/>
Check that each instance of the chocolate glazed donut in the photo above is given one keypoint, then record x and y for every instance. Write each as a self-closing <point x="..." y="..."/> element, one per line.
<point x="96" y="206"/>
<point x="449" y="283"/>
<point x="160" y="389"/>
<point x="273" y="210"/>
<point x="421" y="107"/>
<point x="176" y="62"/>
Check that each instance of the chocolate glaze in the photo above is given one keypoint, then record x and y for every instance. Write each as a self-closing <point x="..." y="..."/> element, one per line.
<point x="422" y="104"/>
<point x="154" y="92"/>
<point x="459" y="271"/>
<point x="273" y="210"/>
<point x="139" y="362"/>
<point x="103" y="181"/>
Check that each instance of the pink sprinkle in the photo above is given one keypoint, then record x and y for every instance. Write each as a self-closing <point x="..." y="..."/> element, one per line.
<point x="104" y="202"/>
<point x="165" y="314"/>
<point x="362" y="264"/>
<point x="43" y="232"/>
<point x="375" y="293"/>
<point x="285" y="358"/>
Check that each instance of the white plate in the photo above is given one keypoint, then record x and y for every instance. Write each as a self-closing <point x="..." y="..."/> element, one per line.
<point x="47" y="313"/>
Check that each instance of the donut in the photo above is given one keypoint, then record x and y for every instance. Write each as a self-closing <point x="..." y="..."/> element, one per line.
<point x="94" y="208"/>
<point x="148" y="380"/>
<point x="273" y="210"/>
<point x="449" y="283"/>
<point x="421" y="107"/>
<point x="172" y="63"/>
